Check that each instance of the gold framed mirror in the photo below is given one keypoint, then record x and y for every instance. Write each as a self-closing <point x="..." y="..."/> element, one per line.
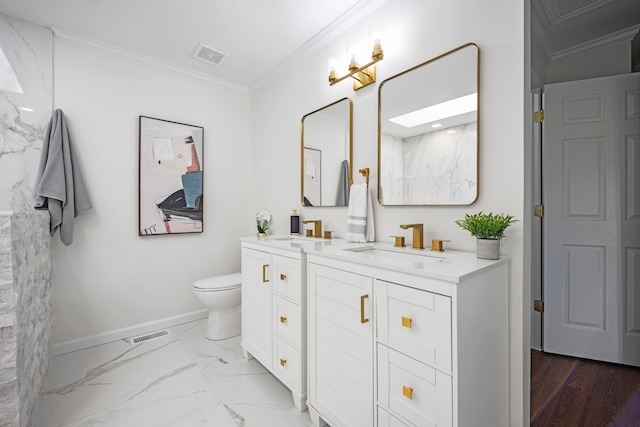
<point x="326" y="152"/>
<point x="428" y="132"/>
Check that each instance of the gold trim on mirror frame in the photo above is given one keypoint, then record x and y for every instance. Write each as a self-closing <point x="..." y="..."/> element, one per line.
<point x="350" y="159"/>
<point x="477" y="123"/>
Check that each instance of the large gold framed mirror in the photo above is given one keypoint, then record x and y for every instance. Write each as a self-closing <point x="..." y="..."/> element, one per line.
<point x="428" y="132"/>
<point x="326" y="154"/>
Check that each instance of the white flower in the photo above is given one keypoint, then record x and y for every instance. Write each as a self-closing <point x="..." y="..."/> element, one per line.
<point x="262" y="220"/>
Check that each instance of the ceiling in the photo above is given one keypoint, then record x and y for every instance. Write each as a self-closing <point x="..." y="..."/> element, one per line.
<point x="264" y="38"/>
<point x="259" y="36"/>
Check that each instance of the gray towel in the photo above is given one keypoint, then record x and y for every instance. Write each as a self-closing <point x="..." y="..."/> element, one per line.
<point x="59" y="185"/>
<point x="343" y="185"/>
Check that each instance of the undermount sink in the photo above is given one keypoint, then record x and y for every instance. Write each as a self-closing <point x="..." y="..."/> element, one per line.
<point x="296" y="240"/>
<point x="400" y="254"/>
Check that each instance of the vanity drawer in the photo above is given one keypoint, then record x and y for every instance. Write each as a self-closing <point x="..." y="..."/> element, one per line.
<point x="417" y="392"/>
<point x="286" y="279"/>
<point x="385" y="419"/>
<point x="415" y="322"/>
<point x="286" y="363"/>
<point x="286" y="320"/>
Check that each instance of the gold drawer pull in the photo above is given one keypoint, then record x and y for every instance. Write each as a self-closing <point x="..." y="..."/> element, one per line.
<point x="283" y="319"/>
<point x="407" y="392"/>
<point x="264" y="273"/>
<point x="406" y="322"/>
<point x="283" y="362"/>
<point x="283" y="277"/>
<point x="362" y="318"/>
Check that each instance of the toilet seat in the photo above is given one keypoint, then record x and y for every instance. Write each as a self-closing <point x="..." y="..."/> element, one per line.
<point x="218" y="283"/>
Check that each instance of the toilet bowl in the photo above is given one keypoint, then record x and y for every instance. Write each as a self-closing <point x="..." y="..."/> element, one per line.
<point x="221" y="295"/>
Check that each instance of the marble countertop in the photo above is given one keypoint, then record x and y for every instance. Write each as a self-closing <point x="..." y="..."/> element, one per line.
<point x="292" y="243"/>
<point x="449" y="265"/>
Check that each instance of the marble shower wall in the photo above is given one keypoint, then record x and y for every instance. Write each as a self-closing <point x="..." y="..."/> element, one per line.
<point x="27" y="48"/>
<point x="432" y="168"/>
<point x="26" y="311"/>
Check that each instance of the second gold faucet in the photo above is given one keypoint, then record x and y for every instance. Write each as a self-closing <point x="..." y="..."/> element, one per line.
<point x="418" y="235"/>
<point x="317" y="226"/>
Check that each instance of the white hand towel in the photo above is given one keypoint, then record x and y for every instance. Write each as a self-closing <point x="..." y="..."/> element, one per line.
<point x="357" y="214"/>
<point x="370" y="235"/>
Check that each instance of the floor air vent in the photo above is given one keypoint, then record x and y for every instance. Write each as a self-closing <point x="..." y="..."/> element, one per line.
<point x="147" y="337"/>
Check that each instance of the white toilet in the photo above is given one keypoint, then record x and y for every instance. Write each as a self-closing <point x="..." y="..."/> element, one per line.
<point x="221" y="295"/>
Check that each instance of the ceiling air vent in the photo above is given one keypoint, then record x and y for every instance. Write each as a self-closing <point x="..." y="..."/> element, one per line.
<point x="209" y="54"/>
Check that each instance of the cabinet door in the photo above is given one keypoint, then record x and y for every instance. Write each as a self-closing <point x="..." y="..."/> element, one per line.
<point x="256" y="305"/>
<point x="341" y="346"/>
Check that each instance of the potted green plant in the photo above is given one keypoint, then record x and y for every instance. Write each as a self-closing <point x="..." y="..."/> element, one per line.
<point x="488" y="229"/>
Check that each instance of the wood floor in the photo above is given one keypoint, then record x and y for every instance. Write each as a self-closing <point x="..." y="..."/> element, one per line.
<point x="568" y="392"/>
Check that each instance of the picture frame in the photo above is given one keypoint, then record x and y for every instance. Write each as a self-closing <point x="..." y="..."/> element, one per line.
<point x="312" y="172"/>
<point x="170" y="177"/>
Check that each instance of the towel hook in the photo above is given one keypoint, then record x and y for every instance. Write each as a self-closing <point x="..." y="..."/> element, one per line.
<point x="365" y="173"/>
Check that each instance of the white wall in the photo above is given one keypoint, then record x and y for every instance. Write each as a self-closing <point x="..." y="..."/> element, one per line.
<point x="110" y="278"/>
<point x="415" y="32"/>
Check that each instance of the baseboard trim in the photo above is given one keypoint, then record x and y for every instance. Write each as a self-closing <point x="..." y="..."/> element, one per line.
<point x="119" y="334"/>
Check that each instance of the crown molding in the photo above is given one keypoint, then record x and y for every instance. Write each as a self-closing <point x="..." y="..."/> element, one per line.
<point x="601" y="42"/>
<point x="341" y="24"/>
<point x="77" y="40"/>
<point x="552" y="10"/>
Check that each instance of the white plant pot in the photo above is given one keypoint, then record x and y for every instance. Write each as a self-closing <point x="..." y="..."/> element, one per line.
<point x="488" y="249"/>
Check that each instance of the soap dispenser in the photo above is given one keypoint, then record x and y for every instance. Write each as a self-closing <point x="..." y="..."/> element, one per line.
<point x="295" y="223"/>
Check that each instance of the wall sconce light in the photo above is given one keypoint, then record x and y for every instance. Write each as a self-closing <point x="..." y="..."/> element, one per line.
<point x="362" y="75"/>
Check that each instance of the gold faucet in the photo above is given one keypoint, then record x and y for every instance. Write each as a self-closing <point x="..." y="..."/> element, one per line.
<point x="418" y="235"/>
<point x="317" y="227"/>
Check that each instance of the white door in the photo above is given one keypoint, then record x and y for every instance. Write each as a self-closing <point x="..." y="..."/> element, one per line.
<point x="591" y="224"/>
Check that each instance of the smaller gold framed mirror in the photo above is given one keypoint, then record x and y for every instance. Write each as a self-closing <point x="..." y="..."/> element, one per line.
<point x="326" y="154"/>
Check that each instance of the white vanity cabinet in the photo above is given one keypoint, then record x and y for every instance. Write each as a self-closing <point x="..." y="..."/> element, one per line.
<point x="434" y="351"/>
<point x="273" y="309"/>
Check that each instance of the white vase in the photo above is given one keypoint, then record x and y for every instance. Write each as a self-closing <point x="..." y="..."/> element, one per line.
<point x="488" y="249"/>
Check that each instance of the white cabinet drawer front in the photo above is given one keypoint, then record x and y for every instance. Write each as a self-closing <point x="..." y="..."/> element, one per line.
<point x="286" y="277"/>
<point x="286" y="363"/>
<point x="415" y="322"/>
<point x="385" y="419"/>
<point x="286" y="320"/>
<point x="417" y="392"/>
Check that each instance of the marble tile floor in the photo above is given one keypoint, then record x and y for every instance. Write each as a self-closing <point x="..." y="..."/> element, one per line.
<point x="180" y="380"/>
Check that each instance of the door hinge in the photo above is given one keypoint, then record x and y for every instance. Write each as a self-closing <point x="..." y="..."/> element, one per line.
<point x="538" y="305"/>
<point x="538" y="116"/>
<point x="538" y="210"/>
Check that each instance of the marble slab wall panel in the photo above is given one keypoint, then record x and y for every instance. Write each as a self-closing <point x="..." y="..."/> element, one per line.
<point x="26" y="312"/>
<point x="432" y="168"/>
<point x="441" y="167"/>
<point x="24" y="111"/>
<point x="391" y="170"/>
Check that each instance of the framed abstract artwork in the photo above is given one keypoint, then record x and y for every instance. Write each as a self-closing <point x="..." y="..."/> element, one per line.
<point x="312" y="170"/>
<point x="169" y="177"/>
